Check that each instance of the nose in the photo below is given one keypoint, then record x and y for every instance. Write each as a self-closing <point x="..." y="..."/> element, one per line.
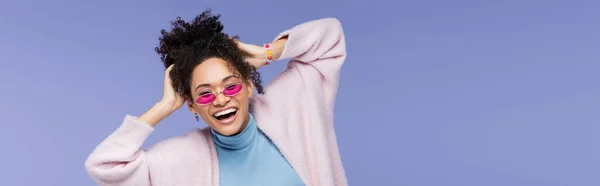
<point x="221" y="100"/>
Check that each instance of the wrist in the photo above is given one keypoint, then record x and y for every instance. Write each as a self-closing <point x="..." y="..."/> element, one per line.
<point x="262" y="55"/>
<point x="268" y="54"/>
<point x="277" y="48"/>
<point x="156" y="113"/>
<point x="163" y="108"/>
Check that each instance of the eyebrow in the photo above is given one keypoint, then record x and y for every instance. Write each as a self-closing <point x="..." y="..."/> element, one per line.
<point x="206" y="84"/>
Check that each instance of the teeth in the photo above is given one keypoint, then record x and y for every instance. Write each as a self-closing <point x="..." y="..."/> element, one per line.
<point x="225" y="112"/>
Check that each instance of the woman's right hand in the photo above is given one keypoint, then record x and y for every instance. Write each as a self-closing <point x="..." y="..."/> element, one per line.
<point x="170" y="102"/>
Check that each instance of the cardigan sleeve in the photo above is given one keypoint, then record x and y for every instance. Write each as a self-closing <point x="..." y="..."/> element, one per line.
<point x="321" y="43"/>
<point x="119" y="160"/>
<point x="317" y="50"/>
<point x="296" y="110"/>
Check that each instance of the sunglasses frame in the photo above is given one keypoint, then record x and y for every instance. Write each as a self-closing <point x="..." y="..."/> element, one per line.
<point x="221" y="92"/>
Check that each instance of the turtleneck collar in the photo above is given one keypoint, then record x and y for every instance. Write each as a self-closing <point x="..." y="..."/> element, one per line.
<point x="237" y="141"/>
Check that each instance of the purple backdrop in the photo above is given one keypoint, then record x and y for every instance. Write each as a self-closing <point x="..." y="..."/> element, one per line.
<point x="434" y="93"/>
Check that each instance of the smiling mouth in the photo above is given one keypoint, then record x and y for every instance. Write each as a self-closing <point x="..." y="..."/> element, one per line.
<point x="226" y="114"/>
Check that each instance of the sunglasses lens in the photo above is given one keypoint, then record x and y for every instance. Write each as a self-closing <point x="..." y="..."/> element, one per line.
<point x="205" y="99"/>
<point x="232" y="89"/>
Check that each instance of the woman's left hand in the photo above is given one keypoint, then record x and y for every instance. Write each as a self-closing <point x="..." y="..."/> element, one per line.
<point x="256" y="55"/>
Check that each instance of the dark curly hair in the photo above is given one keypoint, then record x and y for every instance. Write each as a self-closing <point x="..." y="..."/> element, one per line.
<point x="190" y="43"/>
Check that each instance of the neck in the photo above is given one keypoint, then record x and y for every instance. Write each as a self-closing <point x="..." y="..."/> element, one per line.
<point x="244" y="125"/>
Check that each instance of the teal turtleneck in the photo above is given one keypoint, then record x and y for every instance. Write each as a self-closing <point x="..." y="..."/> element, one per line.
<point x="250" y="158"/>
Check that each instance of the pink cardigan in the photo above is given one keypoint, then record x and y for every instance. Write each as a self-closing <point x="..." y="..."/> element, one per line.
<point x="296" y="113"/>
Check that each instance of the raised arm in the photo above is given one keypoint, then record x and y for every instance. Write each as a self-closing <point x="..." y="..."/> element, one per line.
<point x="314" y="40"/>
<point x="298" y="105"/>
<point x="317" y="50"/>
<point x="119" y="159"/>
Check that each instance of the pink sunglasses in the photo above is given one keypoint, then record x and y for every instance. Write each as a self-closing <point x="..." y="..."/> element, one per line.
<point x="229" y="91"/>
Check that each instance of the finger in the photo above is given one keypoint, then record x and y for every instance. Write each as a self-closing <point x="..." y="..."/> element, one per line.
<point x="168" y="70"/>
<point x="239" y="43"/>
<point x="237" y="38"/>
<point x="234" y="39"/>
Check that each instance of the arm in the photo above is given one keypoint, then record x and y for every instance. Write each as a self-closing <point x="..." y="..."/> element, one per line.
<point x="318" y="50"/>
<point x="118" y="160"/>
<point x="311" y="42"/>
<point x="300" y="101"/>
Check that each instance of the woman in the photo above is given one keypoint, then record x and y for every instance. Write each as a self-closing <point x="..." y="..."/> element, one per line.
<point x="282" y="136"/>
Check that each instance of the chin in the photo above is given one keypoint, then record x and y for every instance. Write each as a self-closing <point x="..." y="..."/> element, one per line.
<point x="228" y="121"/>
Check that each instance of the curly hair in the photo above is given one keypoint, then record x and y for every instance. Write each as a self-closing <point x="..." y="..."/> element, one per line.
<point x="188" y="44"/>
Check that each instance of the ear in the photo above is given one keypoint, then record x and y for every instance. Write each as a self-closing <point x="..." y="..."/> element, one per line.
<point x="190" y="105"/>
<point x="250" y="88"/>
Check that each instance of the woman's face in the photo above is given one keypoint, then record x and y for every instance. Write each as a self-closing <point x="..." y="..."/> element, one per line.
<point x="220" y="96"/>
